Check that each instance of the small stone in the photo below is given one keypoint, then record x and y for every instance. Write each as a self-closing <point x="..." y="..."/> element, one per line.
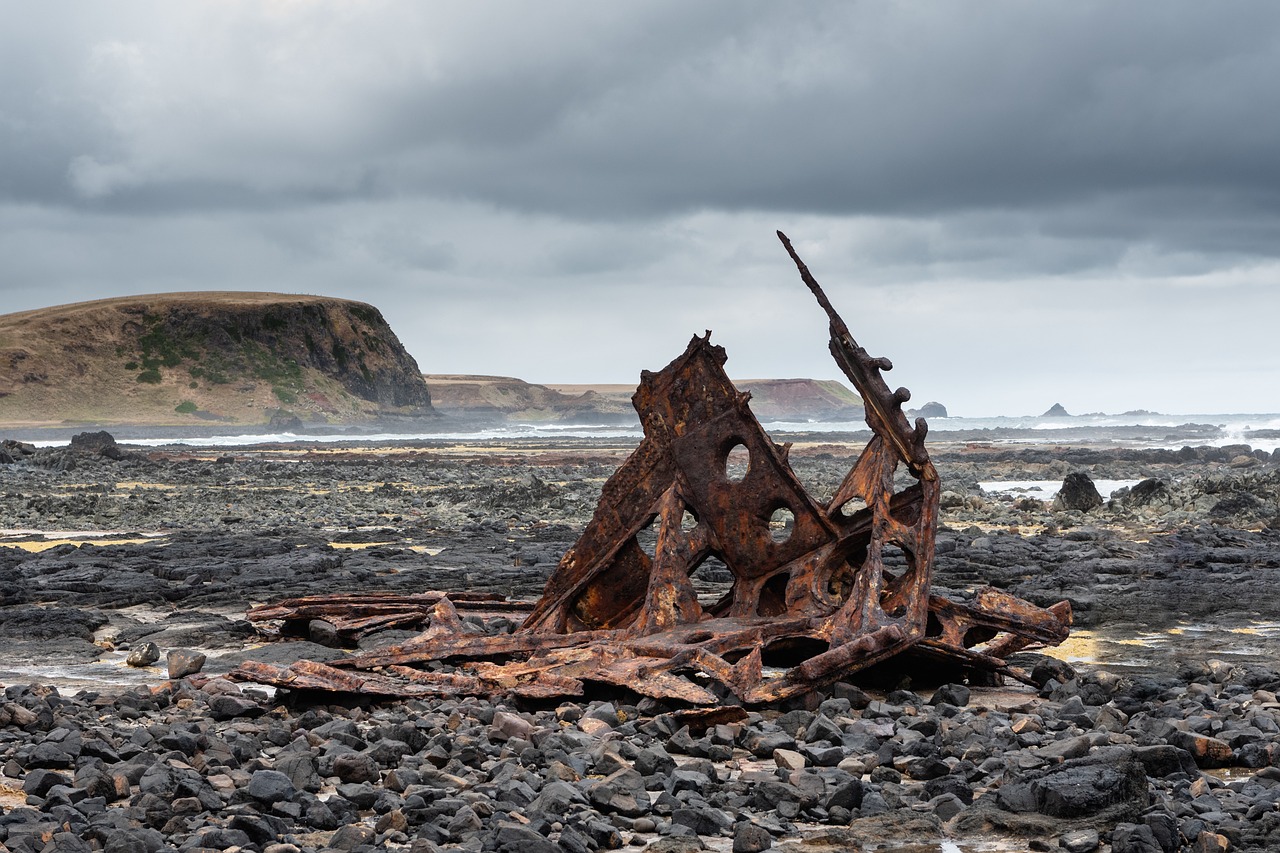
<point x="676" y="844"/>
<point x="1210" y="842"/>
<point x="788" y="759"/>
<point x="512" y="726"/>
<point x="38" y="782"/>
<point x="593" y="726"/>
<point x="1079" y="841"/>
<point x="951" y="694"/>
<point x="323" y="633"/>
<point x="184" y="662"/>
<point x="1133" y="838"/>
<point x="1206" y="751"/>
<point x="270" y="786"/>
<point x="356" y="767"/>
<point x="750" y="838"/>
<point x="392" y="821"/>
<point x="351" y="836"/>
<point x="227" y="707"/>
<point x="511" y="838"/>
<point x="143" y="655"/>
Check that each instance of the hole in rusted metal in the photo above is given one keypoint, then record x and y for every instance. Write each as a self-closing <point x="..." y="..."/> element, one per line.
<point x="712" y="570"/>
<point x="852" y="507"/>
<point x="781" y="524"/>
<point x="894" y="559"/>
<point x="688" y="522"/>
<point x="933" y="627"/>
<point x="647" y="538"/>
<point x="791" y="651"/>
<point x="737" y="462"/>
<point x="773" y="596"/>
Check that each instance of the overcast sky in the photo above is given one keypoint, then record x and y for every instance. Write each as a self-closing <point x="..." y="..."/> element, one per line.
<point x="1018" y="203"/>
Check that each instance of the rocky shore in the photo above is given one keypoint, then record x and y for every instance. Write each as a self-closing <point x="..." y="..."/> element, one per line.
<point x="1176" y="748"/>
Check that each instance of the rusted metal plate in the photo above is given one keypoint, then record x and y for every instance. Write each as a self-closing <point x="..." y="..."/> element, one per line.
<point x="811" y="603"/>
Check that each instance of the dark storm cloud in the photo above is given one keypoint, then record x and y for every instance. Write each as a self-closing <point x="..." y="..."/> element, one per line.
<point x="618" y="110"/>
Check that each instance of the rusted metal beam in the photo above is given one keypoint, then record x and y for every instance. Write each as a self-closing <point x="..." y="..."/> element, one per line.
<point x="812" y="602"/>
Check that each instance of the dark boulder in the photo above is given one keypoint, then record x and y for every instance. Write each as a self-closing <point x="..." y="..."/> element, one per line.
<point x="1077" y="788"/>
<point x="100" y="443"/>
<point x="1147" y="492"/>
<point x="1078" y="492"/>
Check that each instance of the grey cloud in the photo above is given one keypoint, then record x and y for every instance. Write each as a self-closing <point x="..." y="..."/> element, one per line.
<point x="593" y="182"/>
<point x="624" y="109"/>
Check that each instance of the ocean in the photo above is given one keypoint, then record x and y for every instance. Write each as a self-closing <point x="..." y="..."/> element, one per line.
<point x="1259" y="431"/>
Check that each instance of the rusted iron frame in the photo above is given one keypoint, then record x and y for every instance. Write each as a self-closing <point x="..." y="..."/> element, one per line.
<point x="612" y="613"/>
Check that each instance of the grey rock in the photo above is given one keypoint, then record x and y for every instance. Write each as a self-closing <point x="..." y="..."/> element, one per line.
<point x="184" y="662"/>
<point x="1077" y="493"/>
<point x="750" y="838"/>
<point x="270" y="786"/>
<point x="351" y="836"/>
<point x="1079" y="841"/>
<point x="1077" y="788"/>
<point x="356" y="767"/>
<point x="951" y="694"/>
<point x="143" y="655"/>
<point x="511" y="838"/>
<point x="1134" y="838"/>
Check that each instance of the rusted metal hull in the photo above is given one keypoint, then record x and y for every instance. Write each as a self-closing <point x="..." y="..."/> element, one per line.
<point x="839" y="587"/>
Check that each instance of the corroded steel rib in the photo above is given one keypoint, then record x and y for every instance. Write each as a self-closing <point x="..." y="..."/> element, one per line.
<point x="816" y="596"/>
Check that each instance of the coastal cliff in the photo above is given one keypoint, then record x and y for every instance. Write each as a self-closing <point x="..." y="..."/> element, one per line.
<point x="183" y="358"/>
<point x="505" y="399"/>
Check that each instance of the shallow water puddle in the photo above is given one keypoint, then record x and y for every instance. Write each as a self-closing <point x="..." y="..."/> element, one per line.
<point x="36" y="541"/>
<point x="108" y="672"/>
<point x="1139" y="647"/>
<point x="1047" y="490"/>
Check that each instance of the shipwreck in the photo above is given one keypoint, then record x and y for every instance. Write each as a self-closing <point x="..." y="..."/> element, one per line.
<point x="841" y="586"/>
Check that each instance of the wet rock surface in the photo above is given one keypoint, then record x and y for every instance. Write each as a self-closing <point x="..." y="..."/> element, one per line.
<point x="1182" y="751"/>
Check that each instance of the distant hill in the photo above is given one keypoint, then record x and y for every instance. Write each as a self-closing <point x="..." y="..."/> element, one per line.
<point x="801" y="400"/>
<point x="504" y="398"/>
<point x="183" y="358"/>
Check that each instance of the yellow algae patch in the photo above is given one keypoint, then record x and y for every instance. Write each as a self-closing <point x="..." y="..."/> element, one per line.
<point x="1079" y="646"/>
<point x="360" y="546"/>
<point x="35" y="546"/>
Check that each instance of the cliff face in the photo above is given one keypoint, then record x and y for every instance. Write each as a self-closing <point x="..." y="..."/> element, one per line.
<point x="505" y="398"/>
<point x="242" y="358"/>
<point x="802" y="400"/>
